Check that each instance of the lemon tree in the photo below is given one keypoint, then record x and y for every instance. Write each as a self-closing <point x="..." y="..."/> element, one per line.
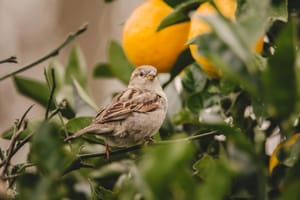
<point x="212" y="145"/>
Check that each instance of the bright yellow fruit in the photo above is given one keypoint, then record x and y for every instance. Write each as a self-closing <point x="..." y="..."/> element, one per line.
<point x="144" y="45"/>
<point x="273" y="162"/>
<point x="200" y="27"/>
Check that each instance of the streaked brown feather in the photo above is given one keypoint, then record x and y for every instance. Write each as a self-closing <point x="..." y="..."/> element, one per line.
<point x="131" y="100"/>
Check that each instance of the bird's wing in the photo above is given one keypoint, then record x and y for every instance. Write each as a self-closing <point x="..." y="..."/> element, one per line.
<point x="127" y="102"/>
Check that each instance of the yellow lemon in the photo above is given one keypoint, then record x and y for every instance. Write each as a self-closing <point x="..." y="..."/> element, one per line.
<point x="144" y="45"/>
<point x="200" y="27"/>
<point x="273" y="162"/>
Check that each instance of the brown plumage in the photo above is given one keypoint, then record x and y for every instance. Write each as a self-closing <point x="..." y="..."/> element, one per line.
<point x="134" y="114"/>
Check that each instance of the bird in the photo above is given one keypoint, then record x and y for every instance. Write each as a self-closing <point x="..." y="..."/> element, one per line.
<point x="134" y="115"/>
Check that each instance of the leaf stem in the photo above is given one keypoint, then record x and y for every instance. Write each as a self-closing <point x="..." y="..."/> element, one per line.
<point x="53" y="87"/>
<point x="53" y="53"/>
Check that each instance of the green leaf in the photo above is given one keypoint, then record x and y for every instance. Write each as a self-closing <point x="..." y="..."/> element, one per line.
<point x="232" y="66"/>
<point x="279" y="11"/>
<point x="174" y="3"/>
<point x="82" y="94"/>
<point x="103" y="193"/>
<point x="102" y="70"/>
<point x="113" y="169"/>
<point x="76" y="67"/>
<point x="279" y="84"/>
<point x="120" y="66"/>
<point x="218" y="184"/>
<point x="32" y="125"/>
<point x="194" y="102"/>
<point x="165" y="181"/>
<point x="252" y="21"/>
<point x="78" y="123"/>
<point x="194" y="80"/>
<point x="184" y="59"/>
<point x="179" y="14"/>
<point x="205" y="166"/>
<point x="47" y="151"/>
<point x="183" y="117"/>
<point x="59" y="73"/>
<point x="36" y="90"/>
<point x="291" y="192"/>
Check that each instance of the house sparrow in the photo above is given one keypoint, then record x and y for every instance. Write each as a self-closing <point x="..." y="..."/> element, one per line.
<point x="133" y="115"/>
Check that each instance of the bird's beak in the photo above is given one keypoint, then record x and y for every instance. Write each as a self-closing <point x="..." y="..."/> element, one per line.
<point x="151" y="76"/>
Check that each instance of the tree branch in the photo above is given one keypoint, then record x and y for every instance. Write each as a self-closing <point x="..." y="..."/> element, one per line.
<point x="78" y="162"/>
<point x="12" y="59"/>
<point x="53" y="53"/>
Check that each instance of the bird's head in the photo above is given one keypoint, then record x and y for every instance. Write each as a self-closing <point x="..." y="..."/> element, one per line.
<point x="144" y="77"/>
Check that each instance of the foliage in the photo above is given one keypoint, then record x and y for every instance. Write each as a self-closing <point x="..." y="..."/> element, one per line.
<point x="212" y="148"/>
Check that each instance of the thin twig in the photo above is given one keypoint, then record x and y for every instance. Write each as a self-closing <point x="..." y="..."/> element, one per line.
<point x="55" y="112"/>
<point x="120" y="151"/>
<point x="23" y="116"/>
<point x="12" y="59"/>
<point x="53" y="87"/>
<point x="18" y="173"/>
<point x="53" y="53"/>
<point x="133" y="148"/>
<point x="15" y="136"/>
<point x="186" y="139"/>
<point x="22" y="143"/>
<point x="11" y="149"/>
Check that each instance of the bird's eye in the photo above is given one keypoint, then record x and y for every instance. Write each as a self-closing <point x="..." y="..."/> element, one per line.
<point x="142" y="74"/>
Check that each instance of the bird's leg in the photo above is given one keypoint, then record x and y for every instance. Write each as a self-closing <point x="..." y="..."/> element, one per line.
<point x="149" y="140"/>
<point x="107" y="152"/>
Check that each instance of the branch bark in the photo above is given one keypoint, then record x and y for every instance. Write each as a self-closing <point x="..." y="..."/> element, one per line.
<point x="53" y="53"/>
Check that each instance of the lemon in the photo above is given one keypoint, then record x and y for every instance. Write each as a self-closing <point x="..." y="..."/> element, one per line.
<point x="273" y="162"/>
<point x="143" y="45"/>
<point x="200" y="27"/>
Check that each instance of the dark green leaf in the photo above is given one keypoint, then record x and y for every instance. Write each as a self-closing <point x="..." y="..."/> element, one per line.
<point x="103" y="193"/>
<point x="47" y="151"/>
<point x="183" y="60"/>
<point x="291" y="192"/>
<point x="194" y="102"/>
<point x="32" y="125"/>
<point x="174" y="3"/>
<point x="78" y="123"/>
<point x="36" y="187"/>
<point x="76" y="67"/>
<point x="103" y="70"/>
<point x="165" y="181"/>
<point x="279" y="11"/>
<point x="33" y="89"/>
<point x="120" y="66"/>
<point x="252" y="21"/>
<point x="231" y="65"/>
<point x="179" y="14"/>
<point x="279" y="84"/>
<point x="194" y="80"/>
<point x="205" y="166"/>
<point x="183" y="117"/>
<point x="217" y="185"/>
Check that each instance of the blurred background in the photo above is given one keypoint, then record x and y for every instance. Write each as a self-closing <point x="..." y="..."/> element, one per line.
<point x="32" y="28"/>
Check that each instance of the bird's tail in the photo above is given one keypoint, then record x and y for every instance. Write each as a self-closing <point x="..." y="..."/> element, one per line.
<point x="93" y="128"/>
